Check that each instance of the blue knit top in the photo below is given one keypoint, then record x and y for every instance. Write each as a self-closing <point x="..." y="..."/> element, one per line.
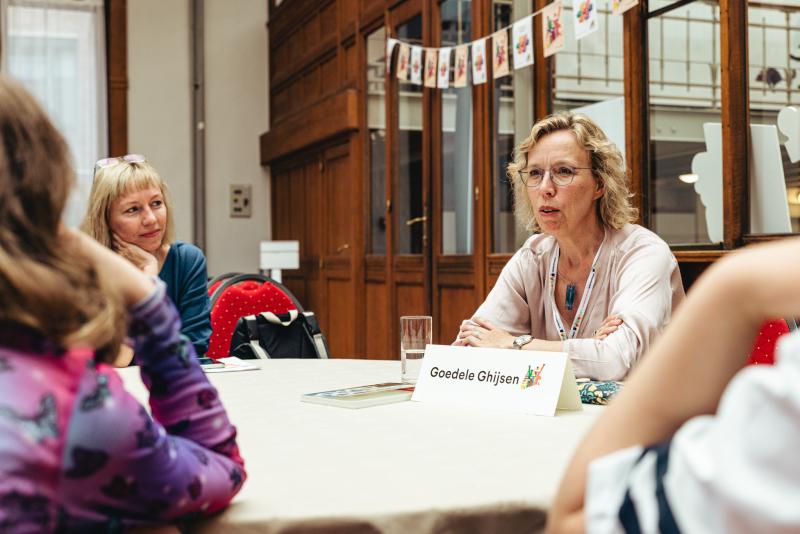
<point x="186" y="276"/>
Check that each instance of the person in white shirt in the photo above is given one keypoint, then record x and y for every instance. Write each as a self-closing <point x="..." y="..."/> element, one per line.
<point x="719" y="451"/>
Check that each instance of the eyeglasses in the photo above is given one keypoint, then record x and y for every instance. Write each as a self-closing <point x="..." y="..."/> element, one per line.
<point x="128" y="158"/>
<point x="561" y="176"/>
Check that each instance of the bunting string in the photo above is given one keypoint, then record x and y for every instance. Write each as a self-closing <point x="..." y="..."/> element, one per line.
<point x="431" y="66"/>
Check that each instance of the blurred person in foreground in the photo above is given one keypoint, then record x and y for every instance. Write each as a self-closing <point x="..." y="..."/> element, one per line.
<point x="719" y="453"/>
<point x="77" y="452"/>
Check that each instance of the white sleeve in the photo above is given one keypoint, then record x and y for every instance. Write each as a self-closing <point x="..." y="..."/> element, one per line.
<point x="734" y="472"/>
<point x="507" y="303"/>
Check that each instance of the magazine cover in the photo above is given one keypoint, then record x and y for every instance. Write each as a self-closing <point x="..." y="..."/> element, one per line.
<point x="362" y="396"/>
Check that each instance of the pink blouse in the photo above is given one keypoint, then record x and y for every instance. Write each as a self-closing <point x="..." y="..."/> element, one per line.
<point x="637" y="278"/>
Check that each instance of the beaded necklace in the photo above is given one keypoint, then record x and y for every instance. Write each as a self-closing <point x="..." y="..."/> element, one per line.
<point x="570" y="297"/>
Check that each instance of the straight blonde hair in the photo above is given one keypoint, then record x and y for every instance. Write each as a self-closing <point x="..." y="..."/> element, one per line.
<point x="115" y="181"/>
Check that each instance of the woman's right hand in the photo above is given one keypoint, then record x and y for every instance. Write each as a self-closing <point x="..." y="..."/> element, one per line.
<point x="609" y="326"/>
<point x="142" y="259"/>
<point x="132" y="283"/>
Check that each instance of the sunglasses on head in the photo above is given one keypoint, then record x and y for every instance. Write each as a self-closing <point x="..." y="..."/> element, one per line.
<point x="129" y="158"/>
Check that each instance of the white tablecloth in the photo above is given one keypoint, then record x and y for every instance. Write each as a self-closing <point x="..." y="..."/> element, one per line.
<point x="397" y="468"/>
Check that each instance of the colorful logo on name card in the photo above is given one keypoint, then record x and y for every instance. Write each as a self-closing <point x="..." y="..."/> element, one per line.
<point x="532" y="378"/>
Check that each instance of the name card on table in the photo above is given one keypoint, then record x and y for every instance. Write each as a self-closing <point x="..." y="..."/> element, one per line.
<point x="504" y="379"/>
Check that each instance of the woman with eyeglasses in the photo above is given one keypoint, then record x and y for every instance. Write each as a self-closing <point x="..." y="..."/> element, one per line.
<point x="77" y="452"/>
<point x="130" y="212"/>
<point x="589" y="282"/>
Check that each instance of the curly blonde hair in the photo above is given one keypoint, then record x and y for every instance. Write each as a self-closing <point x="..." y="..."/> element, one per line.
<point x="614" y="208"/>
<point x="112" y="182"/>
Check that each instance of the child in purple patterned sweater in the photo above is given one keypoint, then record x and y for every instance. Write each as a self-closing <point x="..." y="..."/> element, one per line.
<point x="77" y="452"/>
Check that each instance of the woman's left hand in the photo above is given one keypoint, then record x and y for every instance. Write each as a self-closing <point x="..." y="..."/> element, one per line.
<point x="480" y="332"/>
<point x="142" y="259"/>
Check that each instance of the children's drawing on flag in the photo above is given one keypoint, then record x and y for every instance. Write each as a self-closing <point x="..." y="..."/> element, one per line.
<point x="443" y="79"/>
<point x="431" y="56"/>
<point x="460" y="77"/>
<point x="552" y="28"/>
<point x="402" y="61"/>
<point x="585" y="17"/>
<point x="500" y="53"/>
<point x="416" y="65"/>
<point x="479" y="61"/>
<point x="522" y="42"/>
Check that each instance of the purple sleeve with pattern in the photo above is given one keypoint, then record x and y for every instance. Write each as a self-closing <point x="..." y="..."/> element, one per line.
<point x="182" y="462"/>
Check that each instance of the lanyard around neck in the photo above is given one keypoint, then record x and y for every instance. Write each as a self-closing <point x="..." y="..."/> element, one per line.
<point x="587" y="293"/>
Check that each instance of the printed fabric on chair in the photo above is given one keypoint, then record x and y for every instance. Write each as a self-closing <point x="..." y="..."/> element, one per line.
<point x="243" y="295"/>
<point x="763" y="352"/>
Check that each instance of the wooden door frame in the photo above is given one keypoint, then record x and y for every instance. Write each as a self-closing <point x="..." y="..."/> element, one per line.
<point x="734" y="117"/>
<point x="398" y="13"/>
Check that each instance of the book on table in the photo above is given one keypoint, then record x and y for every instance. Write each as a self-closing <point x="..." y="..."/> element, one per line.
<point x="362" y="396"/>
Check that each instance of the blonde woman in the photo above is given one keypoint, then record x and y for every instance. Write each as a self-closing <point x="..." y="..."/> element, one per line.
<point x="78" y="453"/>
<point x="589" y="282"/>
<point x="130" y="212"/>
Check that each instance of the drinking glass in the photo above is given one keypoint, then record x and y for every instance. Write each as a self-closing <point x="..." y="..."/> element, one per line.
<point x="416" y="331"/>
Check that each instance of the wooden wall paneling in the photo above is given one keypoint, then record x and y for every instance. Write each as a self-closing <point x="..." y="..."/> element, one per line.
<point x="375" y="328"/>
<point x="735" y="121"/>
<point x="117" y="75"/>
<point x="637" y="120"/>
<point x="435" y="162"/>
<point x="373" y="302"/>
<point x="370" y="12"/>
<point x="406" y="292"/>
<point x="390" y="91"/>
<point x="457" y="296"/>
<point x="311" y="81"/>
<point x="360" y="189"/>
<point x="427" y="156"/>
<point x="341" y="201"/>
<point x="314" y="231"/>
<point x="348" y="18"/>
<point x="289" y="16"/>
<point x="311" y="33"/>
<point x="329" y="117"/>
<point x="452" y="299"/>
<point x="350" y="63"/>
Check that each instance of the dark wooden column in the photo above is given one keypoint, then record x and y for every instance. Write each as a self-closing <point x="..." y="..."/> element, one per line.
<point x="542" y="69"/>
<point x="735" y="120"/>
<point x="637" y="119"/>
<point x="117" y="75"/>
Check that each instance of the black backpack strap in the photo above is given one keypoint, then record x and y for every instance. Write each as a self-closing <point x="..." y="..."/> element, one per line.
<point x="252" y="333"/>
<point x="315" y="333"/>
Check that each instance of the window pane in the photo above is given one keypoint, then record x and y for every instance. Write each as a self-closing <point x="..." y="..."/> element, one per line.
<point x="408" y="170"/>
<point x="774" y="53"/>
<point x="685" y="130"/>
<point x="376" y="119"/>
<point x="513" y="119"/>
<point x="457" y="216"/>
<point x="54" y="53"/>
<point x="589" y="69"/>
